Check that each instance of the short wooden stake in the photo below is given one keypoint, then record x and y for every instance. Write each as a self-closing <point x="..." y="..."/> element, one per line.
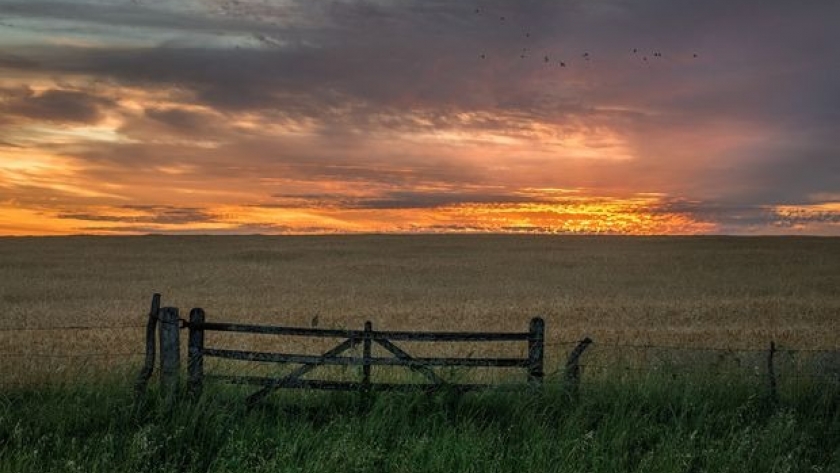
<point x="149" y="363"/>
<point x="367" y="355"/>
<point x="170" y="353"/>
<point x="573" y="365"/>
<point x="536" y="352"/>
<point x="195" y="366"/>
<point x="771" y="373"/>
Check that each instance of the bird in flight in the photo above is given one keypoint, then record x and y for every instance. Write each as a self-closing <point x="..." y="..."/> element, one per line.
<point x="586" y="55"/>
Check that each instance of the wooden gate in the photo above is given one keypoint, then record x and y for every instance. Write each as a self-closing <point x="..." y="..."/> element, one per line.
<point x="198" y="326"/>
<point x="167" y="320"/>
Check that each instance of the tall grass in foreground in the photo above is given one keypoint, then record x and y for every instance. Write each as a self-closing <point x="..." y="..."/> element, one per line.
<point x="614" y="425"/>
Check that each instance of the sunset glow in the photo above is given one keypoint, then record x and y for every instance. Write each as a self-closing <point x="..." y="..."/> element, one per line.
<point x="418" y="116"/>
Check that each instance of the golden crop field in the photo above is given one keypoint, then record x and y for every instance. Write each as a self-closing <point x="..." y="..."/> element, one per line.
<point x="726" y="292"/>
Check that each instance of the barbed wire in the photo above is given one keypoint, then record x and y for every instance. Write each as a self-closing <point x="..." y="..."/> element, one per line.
<point x="695" y="370"/>
<point x="596" y="346"/>
<point x="652" y="346"/>
<point x="71" y="327"/>
<point x="62" y="356"/>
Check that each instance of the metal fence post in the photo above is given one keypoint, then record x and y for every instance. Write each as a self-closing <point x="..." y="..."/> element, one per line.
<point x="170" y="353"/>
<point x="195" y="366"/>
<point x="536" y="351"/>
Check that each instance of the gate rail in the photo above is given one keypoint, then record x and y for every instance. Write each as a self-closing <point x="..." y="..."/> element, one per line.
<point x="170" y="324"/>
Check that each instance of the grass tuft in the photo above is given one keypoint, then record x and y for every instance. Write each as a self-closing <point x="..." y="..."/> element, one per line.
<point x="614" y="424"/>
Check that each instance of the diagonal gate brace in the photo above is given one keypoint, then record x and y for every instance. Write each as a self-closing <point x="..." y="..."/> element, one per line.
<point x="415" y="366"/>
<point x="297" y="373"/>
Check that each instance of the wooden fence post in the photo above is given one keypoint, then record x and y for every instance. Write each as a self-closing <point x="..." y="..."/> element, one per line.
<point x="170" y="353"/>
<point x="771" y="373"/>
<point x="366" y="355"/>
<point x="573" y="364"/>
<point x="536" y="351"/>
<point x="149" y="362"/>
<point x="195" y="366"/>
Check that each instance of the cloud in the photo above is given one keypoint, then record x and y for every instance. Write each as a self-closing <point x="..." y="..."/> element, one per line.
<point x="793" y="216"/>
<point x="11" y="61"/>
<point x="245" y="229"/>
<point x="61" y="106"/>
<point x="400" y="199"/>
<point x="184" y="120"/>
<point x="145" y="214"/>
<point x="390" y="106"/>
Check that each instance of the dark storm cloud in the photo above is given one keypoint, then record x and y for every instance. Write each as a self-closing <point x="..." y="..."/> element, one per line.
<point x="154" y="214"/>
<point x="794" y="217"/>
<point x="751" y="122"/>
<point x="243" y="229"/>
<point x="401" y="199"/>
<point x="126" y="14"/>
<point x="53" y="105"/>
<point x="789" y="175"/>
<point x="11" y="61"/>
<point x="184" y="120"/>
<point x="743" y="218"/>
<point x="413" y="54"/>
<point x="425" y="55"/>
<point x="728" y="216"/>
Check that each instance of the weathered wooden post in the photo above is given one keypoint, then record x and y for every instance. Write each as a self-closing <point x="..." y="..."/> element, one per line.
<point x="195" y="366"/>
<point x="366" y="355"/>
<point x="170" y="353"/>
<point x="536" y="351"/>
<point x="149" y="362"/>
<point x="771" y="373"/>
<point x="573" y="365"/>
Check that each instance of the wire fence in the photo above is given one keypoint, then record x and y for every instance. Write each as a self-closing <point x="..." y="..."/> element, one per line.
<point x="71" y="328"/>
<point x="548" y="343"/>
<point x="791" y="364"/>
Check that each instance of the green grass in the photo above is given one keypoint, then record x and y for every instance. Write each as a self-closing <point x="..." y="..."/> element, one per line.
<point x="614" y="425"/>
<point x="631" y="415"/>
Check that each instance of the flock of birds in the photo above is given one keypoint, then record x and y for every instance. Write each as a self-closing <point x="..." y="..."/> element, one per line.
<point x="585" y="56"/>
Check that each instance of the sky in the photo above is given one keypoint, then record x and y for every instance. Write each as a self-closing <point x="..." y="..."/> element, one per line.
<point x="345" y="116"/>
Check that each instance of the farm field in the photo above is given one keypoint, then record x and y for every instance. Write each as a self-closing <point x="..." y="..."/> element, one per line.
<point x="73" y="309"/>
<point x="702" y="292"/>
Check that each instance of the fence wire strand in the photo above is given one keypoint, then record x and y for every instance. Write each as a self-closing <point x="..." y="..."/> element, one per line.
<point x="68" y="356"/>
<point x="796" y="373"/>
<point x="653" y="346"/>
<point x="71" y="328"/>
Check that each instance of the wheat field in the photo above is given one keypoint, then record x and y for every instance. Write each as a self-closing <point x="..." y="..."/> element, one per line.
<point x="731" y="292"/>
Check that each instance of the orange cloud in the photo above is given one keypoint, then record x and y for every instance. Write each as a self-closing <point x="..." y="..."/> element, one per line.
<point x="295" y="118"/>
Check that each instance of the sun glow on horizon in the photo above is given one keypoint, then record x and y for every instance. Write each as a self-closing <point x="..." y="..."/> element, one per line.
<point x="642" y="215"/>
<point x="288" y="117"/>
